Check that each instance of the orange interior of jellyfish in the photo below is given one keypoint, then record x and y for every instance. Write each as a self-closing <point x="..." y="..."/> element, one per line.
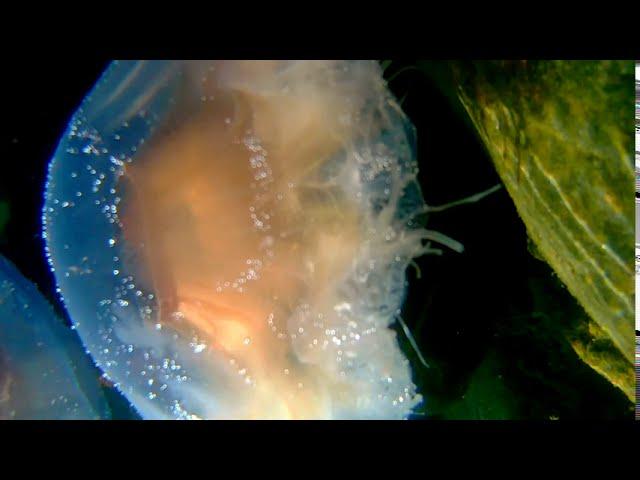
<point x="234" y="230"/>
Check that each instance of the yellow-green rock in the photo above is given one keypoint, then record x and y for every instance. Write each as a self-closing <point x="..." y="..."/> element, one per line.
<point x="595" y="348"/>
<point x="560" y="136"/>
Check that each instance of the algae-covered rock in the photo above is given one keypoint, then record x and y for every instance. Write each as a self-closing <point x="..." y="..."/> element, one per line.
<point x="596" y="349"/>
<point x="560" y="136"/>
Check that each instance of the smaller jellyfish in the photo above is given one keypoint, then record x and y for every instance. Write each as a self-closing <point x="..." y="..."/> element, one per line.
<point x="44" y="372"/>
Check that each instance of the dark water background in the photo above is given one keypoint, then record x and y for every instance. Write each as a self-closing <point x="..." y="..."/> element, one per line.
<point x="488" y="321"/>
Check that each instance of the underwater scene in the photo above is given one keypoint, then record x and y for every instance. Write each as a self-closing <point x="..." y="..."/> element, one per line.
<point x="315" y="239"/>
<point x="637" y="171"/>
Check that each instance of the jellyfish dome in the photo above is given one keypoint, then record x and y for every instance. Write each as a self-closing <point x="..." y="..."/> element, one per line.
<point x="44" y="372"/>
<point x="230" y="238"/>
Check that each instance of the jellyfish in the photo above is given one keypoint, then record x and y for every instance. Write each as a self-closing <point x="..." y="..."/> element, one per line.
<point x="44" y="371"/>
<point x="230" y="238"/>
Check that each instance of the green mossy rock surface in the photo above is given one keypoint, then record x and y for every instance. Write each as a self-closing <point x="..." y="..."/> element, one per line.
<point x="560" y="136"/>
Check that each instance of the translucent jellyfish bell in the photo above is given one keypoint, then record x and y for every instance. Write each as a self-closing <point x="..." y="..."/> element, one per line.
<point x="231" y="237"/>
<point x="44" y="372"/>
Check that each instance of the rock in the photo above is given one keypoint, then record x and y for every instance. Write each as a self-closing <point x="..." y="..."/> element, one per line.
<point x="559" y="134"/>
